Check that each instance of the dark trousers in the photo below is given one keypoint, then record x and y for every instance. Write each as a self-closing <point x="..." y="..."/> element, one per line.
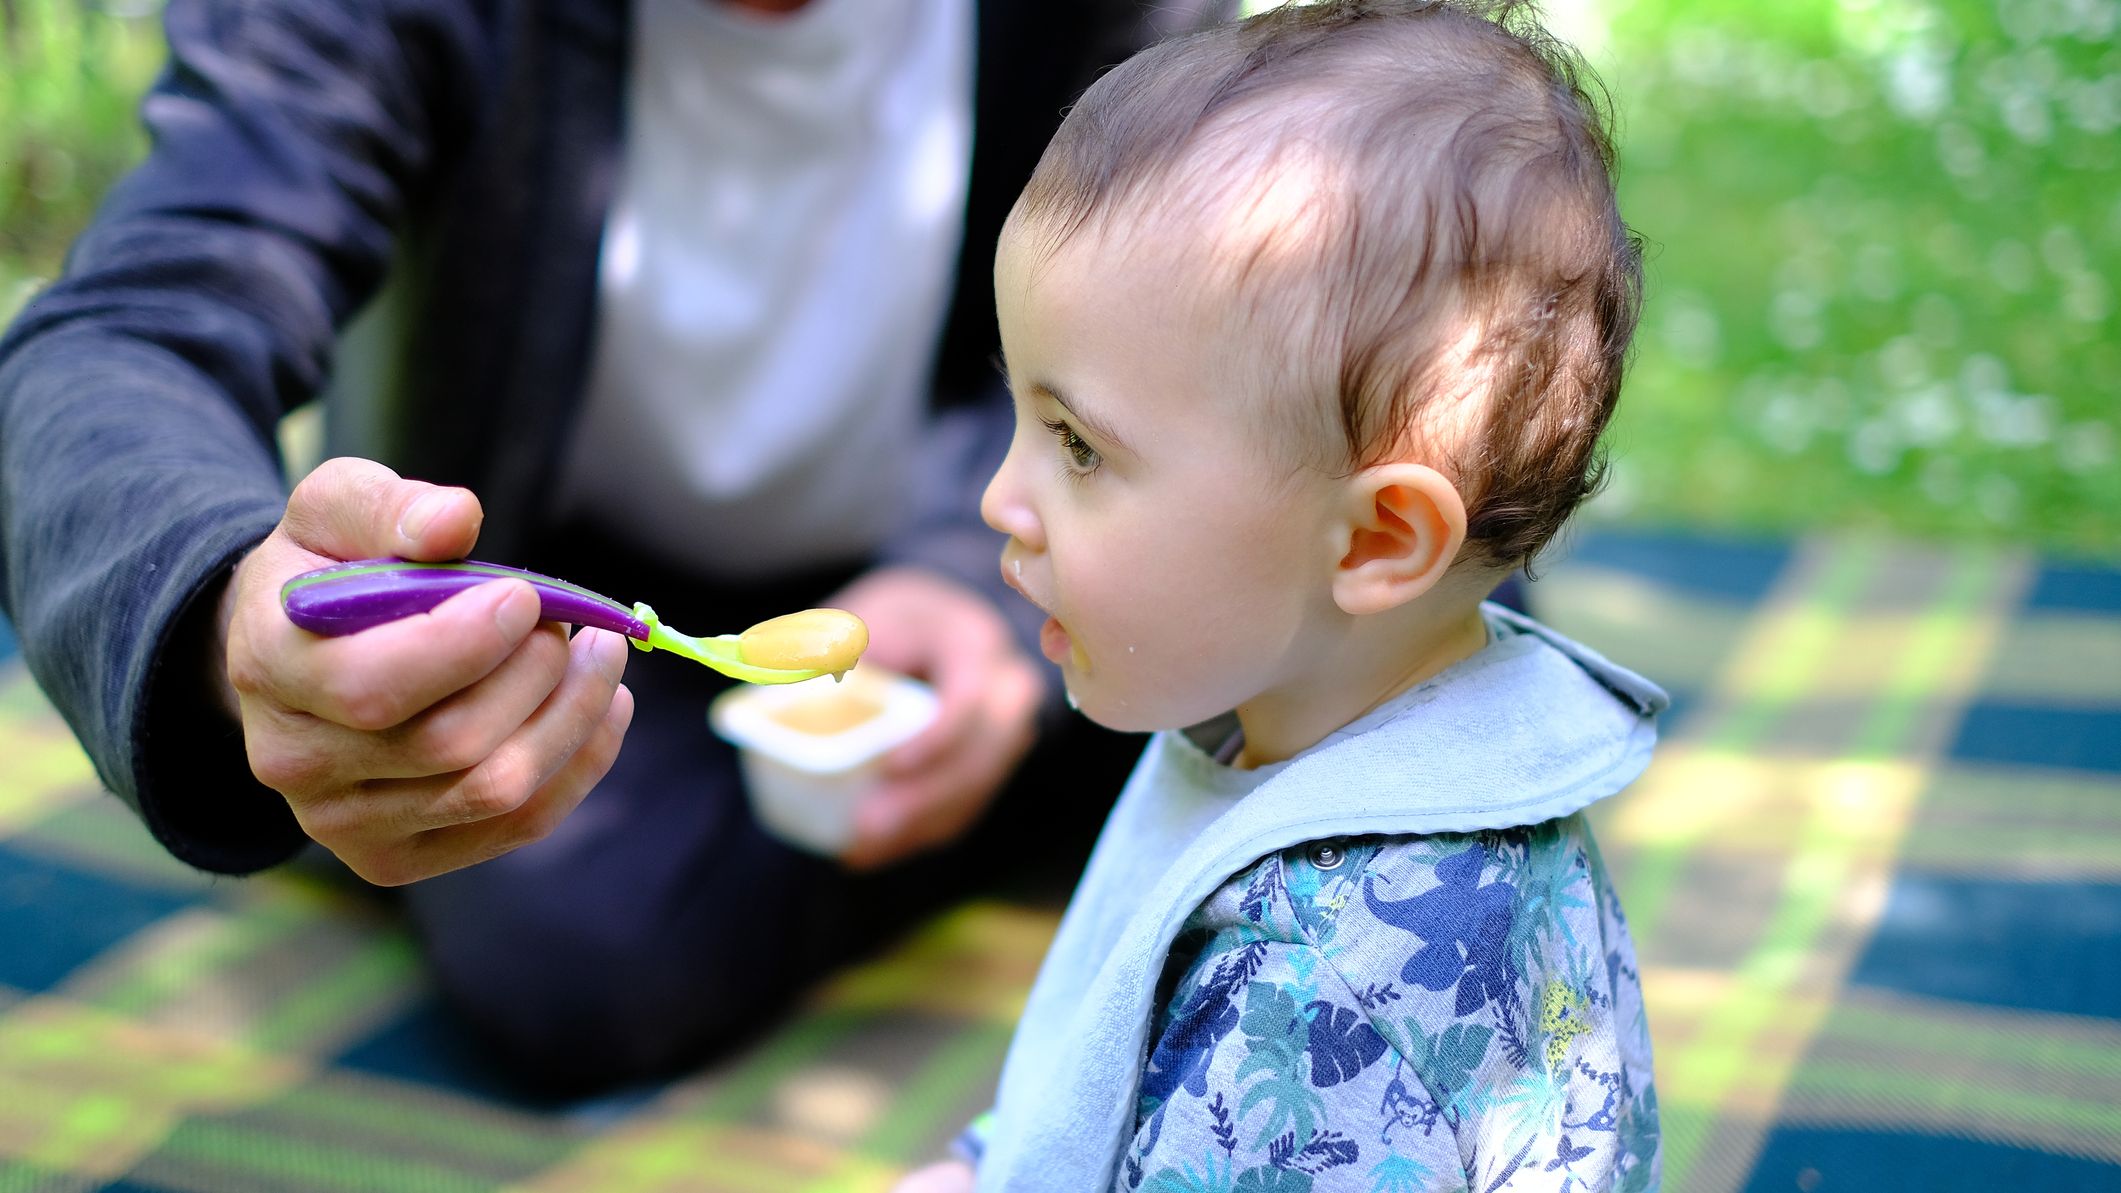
<point x="659" y="925"/>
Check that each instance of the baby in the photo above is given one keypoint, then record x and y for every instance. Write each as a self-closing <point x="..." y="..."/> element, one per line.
<point x="1313" y="323"/>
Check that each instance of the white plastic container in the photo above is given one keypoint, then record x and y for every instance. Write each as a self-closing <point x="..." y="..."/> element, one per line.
<point x="809" y="750"/>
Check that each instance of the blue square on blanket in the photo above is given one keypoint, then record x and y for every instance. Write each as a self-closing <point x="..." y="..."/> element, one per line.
<point x="55" y="919"/>
<point x="2042" y="946"/>
<point x="1821" y="1160"/>
<point x="7" y="641"/>
<point x="2076" y="590"/>
<point x="2041" y="735"/>
<point x="1684" y="702"/>
<point x="1731" y="569"/>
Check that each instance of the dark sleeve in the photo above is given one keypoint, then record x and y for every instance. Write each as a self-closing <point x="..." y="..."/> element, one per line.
<point x="139" y="394"/>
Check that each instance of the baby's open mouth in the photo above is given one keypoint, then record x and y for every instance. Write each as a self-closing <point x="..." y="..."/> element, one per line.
<point x="1013" y="576"/>
<point x="1053" y="639"/>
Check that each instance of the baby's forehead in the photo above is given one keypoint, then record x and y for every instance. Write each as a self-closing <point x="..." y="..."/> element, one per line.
<point x="1223" y="241"/>
<point x="1248" y="246"/>
<point x="1259" y="363"/>
<point x="1245" y="196"/>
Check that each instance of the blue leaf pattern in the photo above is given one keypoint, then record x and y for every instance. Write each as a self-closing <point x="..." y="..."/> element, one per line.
<point x="1342" y="1044"/>
<point x="1464" y="928"/>
<point x="1454" y="1012"/>
<point x="1187" y="1046"/>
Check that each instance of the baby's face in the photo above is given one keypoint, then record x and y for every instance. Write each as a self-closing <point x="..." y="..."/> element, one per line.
<point x="1184" y="565"/>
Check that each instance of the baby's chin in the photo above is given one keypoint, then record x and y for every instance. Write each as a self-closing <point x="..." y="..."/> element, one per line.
<point x="1116" y="712"/>
<point x="1102" y="711"/>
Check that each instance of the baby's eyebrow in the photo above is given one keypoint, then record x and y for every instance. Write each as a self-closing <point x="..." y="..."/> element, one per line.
<point x="1088" y="418"/>
<point x="1039" y="389"/>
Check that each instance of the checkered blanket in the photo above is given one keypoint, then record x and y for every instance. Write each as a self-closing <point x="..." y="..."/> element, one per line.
<point x="1874" y="876"/>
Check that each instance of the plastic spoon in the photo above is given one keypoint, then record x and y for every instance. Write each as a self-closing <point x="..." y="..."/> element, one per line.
<point x="347" y="598"/>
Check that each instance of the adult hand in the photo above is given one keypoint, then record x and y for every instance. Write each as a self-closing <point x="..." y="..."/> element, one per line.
<point x="933" y="787"/>
<point x="432" y="742"/>
<point x="950" y="1176"/>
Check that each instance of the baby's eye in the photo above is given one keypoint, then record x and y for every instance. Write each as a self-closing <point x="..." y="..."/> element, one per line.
<point x="1081" y="456"/>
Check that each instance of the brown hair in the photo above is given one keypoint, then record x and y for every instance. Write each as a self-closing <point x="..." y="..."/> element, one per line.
<point x="1467" y="241"/>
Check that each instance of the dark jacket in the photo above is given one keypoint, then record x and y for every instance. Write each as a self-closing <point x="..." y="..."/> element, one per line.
<point x="303" y="150"/>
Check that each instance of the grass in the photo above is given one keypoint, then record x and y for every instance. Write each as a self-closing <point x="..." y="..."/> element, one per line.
<point x="1884" y="241"/>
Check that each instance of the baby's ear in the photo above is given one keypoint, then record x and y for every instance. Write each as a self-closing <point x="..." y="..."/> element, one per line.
<point x="1402" y="525"/>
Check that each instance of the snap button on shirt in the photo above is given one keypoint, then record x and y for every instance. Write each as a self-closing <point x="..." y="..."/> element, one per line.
<point x="1326" y="855"/>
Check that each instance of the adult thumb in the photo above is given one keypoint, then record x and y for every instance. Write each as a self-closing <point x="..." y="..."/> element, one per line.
<point x="350" y="508"/>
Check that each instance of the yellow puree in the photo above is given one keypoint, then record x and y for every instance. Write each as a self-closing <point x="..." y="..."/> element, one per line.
<point x="813" y="640"/>
<point x="828" y="713"/>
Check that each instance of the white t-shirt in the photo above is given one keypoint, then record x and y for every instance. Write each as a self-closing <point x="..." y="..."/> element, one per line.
<point x="776" y="266"/>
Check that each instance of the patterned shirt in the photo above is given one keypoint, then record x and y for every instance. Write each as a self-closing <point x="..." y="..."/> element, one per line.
<point x="1448" y="1012"/>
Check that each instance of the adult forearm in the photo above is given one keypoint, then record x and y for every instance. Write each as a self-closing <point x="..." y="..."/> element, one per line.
<point x="140" y="394"/>
<point x="126" y="491"/>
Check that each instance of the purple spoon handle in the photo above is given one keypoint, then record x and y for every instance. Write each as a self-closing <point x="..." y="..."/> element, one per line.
<point x="347" y="598"/>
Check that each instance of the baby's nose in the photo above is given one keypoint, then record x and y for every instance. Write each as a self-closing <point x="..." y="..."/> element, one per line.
<point x="1006" y="507"/>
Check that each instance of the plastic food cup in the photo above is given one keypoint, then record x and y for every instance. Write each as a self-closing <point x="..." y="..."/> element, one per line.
<point x="808" y="750"/>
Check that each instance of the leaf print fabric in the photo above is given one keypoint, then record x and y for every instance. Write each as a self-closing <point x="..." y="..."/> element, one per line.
<point x="1343" y="1044"/>
<point x="1463" y="927"/>
<point x="1451" y="1012"/>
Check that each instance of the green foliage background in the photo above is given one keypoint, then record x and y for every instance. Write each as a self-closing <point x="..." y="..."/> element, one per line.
<point x="1885" y="237"/>
<point x="71" y="72"/>
<point x="1885" y="241"/>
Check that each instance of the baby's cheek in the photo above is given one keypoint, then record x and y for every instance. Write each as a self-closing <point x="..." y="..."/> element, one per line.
<point x="1130" y="687"/>
<point x="1177" y="683"/>
<point x="1157" y="648"/>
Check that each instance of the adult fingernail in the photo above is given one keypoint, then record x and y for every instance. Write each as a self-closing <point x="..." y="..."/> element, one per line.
<point x="422" y="513"/>
<point x="517" y="614"/>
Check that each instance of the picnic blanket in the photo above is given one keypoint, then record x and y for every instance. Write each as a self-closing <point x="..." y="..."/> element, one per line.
<point x="1874" y="876"/>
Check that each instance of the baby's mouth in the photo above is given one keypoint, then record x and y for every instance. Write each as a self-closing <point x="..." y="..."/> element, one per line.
<point x="1054" y="640"/>
<point x="1013" y="576"/>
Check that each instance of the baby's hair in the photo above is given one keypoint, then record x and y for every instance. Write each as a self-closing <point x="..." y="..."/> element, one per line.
<point x="1458" y="238"/>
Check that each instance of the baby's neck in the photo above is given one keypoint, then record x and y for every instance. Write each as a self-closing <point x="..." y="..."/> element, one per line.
<point x="1363" y="674"/>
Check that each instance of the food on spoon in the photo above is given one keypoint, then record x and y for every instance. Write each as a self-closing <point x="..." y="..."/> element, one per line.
<point x="812" y="640"/>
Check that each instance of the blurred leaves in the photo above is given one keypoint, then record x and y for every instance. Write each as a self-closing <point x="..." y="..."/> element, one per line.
<point x="1884" y="241"/>
<point x="71" y="72"/>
